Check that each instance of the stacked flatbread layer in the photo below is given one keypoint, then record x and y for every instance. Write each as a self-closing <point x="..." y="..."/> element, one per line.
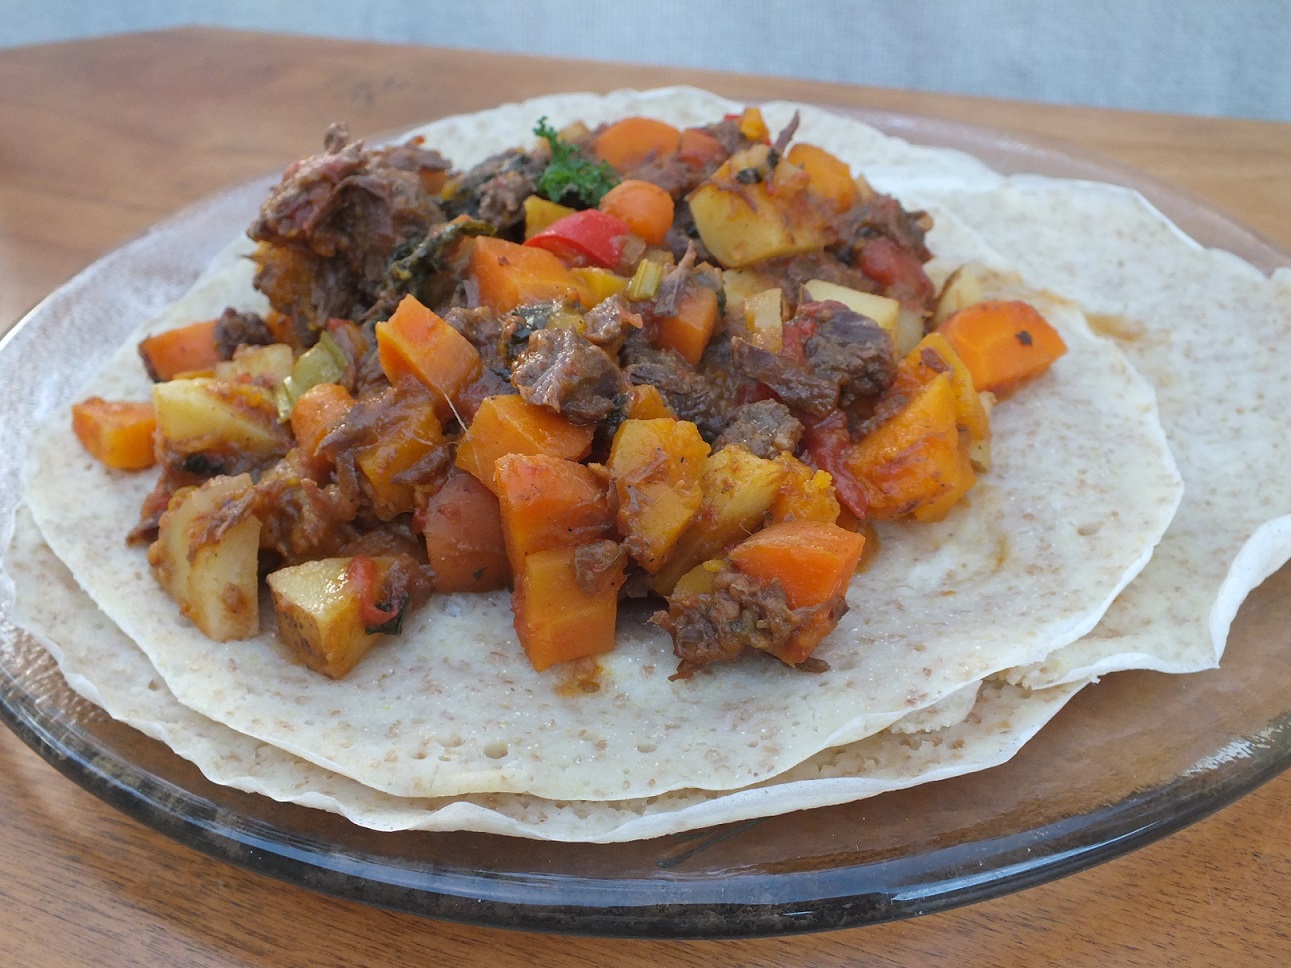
<point x="963" y="637"/>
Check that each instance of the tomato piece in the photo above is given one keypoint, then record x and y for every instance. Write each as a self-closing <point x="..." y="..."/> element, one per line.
<point x="828" y="441"/>
<point x="590" y="237"/>
<point x="375" y="615"/>
<point x="897" y="270"/>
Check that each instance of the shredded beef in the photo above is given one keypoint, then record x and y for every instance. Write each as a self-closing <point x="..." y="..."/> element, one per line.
<point x="739" y="615"/>
<point x="482" y="327"/>
<point x="683" y="235"/>
<point x="234" y="329"/>
<point x="766" y="427"/>
<point x="339" y="217"/>
<point x="495" y="189"/>
<point x="598" y="565"/>
<point x="562" y="371"/>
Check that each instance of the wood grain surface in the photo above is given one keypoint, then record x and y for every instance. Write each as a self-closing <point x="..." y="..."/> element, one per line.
<point x="99" y="139"/>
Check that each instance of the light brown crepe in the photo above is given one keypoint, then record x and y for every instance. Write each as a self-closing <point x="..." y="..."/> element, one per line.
<point x="1081" y="491"/>
<point x="108" y="669"/>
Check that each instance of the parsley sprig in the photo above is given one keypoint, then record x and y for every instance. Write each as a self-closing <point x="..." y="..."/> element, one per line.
<point x="570" y="178"/>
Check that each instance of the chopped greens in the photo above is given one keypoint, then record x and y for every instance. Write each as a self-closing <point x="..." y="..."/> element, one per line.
<point x="571" y="178"/>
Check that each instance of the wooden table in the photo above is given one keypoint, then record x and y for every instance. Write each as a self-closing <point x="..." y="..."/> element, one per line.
<point x="101" y="138"/>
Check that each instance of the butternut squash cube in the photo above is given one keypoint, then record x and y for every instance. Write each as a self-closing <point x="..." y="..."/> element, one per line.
<point x="738" y="490"/>
<point x="656" y="467"/>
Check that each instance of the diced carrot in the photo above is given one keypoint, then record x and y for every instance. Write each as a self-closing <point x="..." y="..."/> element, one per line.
<point x="830" y="177"/>
<point x="316" y="414"/>
<point x="633" y="141"/>
<point x="698" y="148"/>
<point x="511" y="275"/>
<point x="1003" y="343"/>
<point x="117" y="433"/>
<point x="690" y="328"/>
<point x="643" y="207"/>
<point x="415" y="342"/>
<point x="189" y="349"/>
<point x="462" y="525"/>
<point x="555" y="619"/>
<point x="812" y="560"/>
<point x="546" y="502"/>
<point x="914" y="464"/>
<point x="508" y="425"/>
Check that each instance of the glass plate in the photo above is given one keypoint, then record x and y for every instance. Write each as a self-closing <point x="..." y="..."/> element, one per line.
<point x="1129" y="761"/>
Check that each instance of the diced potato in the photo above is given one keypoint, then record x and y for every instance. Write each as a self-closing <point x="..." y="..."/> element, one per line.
<point x="748" y="211"/>
<point x="764" y="314"/>
<point x="739" y="285"/>
<point x="962" y="288"/>
<point x="738" y="490"/>
<point x="214" y="579"/>
<point x="539" y="213"/>
<point x="271" y="363"/>
<point x="699" y="580"/>
<point x="969" y="408"/>
<point x="881" y="309"/>
<point x="655" y="466"/>
<point x="319" y="614"/>
<point x="645" y="402"/>
<point x="208" y="414"/>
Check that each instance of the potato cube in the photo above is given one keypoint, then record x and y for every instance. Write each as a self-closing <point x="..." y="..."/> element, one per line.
<point x="319" y="615"/>
<point x="210" y="571"/>
<point x="205" y="414"/>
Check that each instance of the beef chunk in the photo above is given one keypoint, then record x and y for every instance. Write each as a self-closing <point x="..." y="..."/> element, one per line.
<point x="482" y="327"/>
<point x="766" y="427"/>
<point x="789" y="380"/>
<point x="690" y="395"/>
<point x="560" y="370"/>
<point x="850" y="350"/>
<point x="236" y="329"/>
<point x="609" y="322"/>
<point x="882" y="215"/>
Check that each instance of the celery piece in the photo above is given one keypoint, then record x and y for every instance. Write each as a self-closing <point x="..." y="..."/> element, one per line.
<point x="324" y="362"/>
<point x="645" y="281"/>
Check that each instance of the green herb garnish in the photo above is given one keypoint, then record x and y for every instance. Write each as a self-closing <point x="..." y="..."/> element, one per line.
<point x="570" y="178"/>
